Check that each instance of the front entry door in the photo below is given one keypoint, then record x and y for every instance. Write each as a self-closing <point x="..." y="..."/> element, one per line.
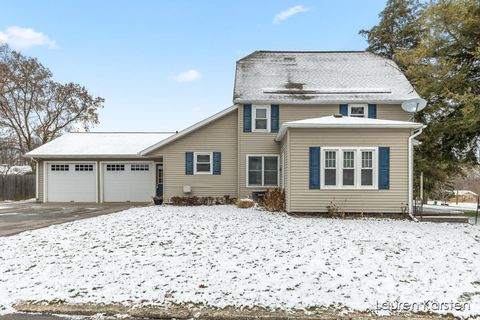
<point x="160" y="180"/>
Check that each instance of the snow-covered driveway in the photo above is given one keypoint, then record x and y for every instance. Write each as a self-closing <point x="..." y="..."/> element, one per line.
<point x="223" y="256"/>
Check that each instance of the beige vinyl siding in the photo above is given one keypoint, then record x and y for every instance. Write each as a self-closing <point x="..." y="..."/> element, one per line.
<point x="289" y="112"/>
<point x="252" y="143"/>
<point x="263" y="143"/>
<point x="285" y="152"/>
<point x="302" y="199"/>
<point x="218" y="136"/>
<point x="392" y="112"/>
<point x="300" y="112"/>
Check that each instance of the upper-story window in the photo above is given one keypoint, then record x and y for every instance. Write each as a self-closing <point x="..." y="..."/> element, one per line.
<point x="357" y="110"/>
<point x="261" y="118"/>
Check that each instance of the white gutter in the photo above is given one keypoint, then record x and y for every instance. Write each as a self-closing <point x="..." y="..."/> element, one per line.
<point x="410" y="171"/>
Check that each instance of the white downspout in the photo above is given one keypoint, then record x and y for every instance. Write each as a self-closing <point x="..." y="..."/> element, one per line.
<point x="36" y="179"/>
<point x="410" y="171"/>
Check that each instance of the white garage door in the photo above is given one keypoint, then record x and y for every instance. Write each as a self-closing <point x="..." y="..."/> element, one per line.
<point x="132" y="182"/>
<point x="71" y="182"/>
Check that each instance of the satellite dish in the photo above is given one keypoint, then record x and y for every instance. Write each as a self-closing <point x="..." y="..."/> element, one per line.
<point x="414" y="105"/>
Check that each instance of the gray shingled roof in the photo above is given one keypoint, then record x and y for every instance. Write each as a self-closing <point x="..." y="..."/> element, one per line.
<point x="319" y="77"/>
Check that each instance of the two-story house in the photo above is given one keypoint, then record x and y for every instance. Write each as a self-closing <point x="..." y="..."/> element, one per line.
<point x="324" y="126"/>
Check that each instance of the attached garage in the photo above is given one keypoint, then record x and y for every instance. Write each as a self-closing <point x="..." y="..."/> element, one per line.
<point x="71" y="181"/>
<point x="128" y="181"/>
<point x="98" y="167"/>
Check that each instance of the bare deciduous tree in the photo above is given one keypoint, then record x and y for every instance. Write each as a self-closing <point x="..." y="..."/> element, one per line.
<point x="35" y="109"/>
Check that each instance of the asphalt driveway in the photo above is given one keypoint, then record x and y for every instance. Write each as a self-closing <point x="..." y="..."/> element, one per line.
<point x="16" y="217"/>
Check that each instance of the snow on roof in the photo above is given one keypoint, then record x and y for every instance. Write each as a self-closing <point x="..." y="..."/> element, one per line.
<point x="339" y="121"/>
<point x="98" y="144"/>
<point x="319" y="77"/>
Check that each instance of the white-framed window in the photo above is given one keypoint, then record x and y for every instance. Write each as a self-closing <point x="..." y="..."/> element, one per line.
<point x="202" y="162"/>
<point x="263" y="170"/>
<point x="84" y="167"/>
<point x="59" y="167"/>
<point x="349" y="168"/>
<point x="261" y="118"/>
<point x="115" y="167"/>
<point x="139" y="167"/>
<point x="367" y="168"/>
<point x="330" y="166"/>
<point x="358" y="110"/>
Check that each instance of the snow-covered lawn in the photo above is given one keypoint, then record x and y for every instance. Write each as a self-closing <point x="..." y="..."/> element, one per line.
<point x="222" y="256"/>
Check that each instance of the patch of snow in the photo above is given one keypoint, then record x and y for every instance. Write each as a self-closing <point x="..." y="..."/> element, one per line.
<point x="449" y="206"/>
<point x="20" y="201"/>
<point x="20" y="170"/>
<point x="222" y="256"/>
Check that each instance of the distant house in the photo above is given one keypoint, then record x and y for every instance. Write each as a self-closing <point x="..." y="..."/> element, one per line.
<point x="323" y="126"/>
<point x="463" y="196"/>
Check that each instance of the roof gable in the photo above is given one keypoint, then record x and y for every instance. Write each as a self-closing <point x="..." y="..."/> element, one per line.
<point x="319" y="77"/>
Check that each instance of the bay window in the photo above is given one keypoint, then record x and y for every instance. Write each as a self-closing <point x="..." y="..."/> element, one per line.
<point x="262" y="170"/>
<point x="349" y="168"/>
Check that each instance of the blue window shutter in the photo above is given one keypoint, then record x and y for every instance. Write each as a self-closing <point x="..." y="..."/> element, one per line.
<point x="189" y="163"/>
<point x="314" y="168"/>
<point x="372" y="111"/>
<point x="343" y="109"/>
<point x="275" y="117"/>
<point x="384" y="168"/>
<point x="217" y="163"/>
<point x="247" y="118"/>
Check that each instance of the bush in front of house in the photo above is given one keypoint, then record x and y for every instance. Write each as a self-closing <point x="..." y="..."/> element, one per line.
<point x="273" y="200"/>
<point x="245" y="203"/>
<point x="201" y="201"/>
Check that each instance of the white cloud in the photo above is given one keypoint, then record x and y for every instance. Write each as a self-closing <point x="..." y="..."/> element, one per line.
<point x="284" y="15"/>
<point x="24" y="38"/>
<point x="188" y="76"/>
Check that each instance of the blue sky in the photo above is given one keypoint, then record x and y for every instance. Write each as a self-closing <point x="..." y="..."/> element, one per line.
<point x="164" y="65"/>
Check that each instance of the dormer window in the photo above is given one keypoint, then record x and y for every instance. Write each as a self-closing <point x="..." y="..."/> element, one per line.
<point x="261" y="118"/>
<point x="357" y="110"/>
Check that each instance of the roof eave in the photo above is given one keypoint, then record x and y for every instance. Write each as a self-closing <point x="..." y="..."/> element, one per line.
<point x="84" y="156"/>
<point x="317" y="102"/>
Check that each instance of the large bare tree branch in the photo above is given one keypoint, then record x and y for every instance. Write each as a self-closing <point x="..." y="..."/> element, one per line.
<point x="35" y="109"/>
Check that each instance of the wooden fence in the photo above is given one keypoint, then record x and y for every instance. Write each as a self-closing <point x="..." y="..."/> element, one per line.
<point x="17" y="187"/>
